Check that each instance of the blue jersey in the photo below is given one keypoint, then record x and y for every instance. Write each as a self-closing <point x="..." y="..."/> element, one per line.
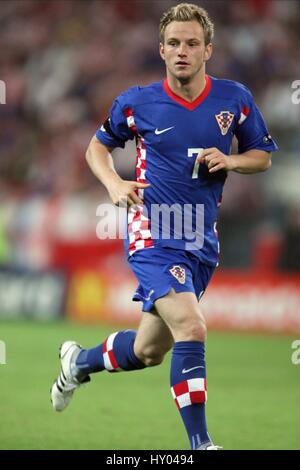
<point x="170" y="132"/>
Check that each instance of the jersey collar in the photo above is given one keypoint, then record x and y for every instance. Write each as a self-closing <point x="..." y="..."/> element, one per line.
<point x="190" y="105"/>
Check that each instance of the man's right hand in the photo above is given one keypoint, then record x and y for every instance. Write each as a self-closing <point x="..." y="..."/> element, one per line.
<point x="121" y="191"/>
<point x="101" y="163"/>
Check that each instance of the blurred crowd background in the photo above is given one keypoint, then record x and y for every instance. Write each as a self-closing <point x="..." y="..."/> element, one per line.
<point x="63" y="63"/>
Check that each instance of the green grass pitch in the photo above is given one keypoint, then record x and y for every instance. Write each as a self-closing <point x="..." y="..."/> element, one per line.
<point x="253" y="395"/>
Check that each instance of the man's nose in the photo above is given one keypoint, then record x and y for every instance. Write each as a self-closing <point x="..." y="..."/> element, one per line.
<point x="182" y="50"/>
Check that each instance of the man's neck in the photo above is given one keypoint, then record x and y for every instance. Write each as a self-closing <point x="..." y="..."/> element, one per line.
<point x="189" y="91"/>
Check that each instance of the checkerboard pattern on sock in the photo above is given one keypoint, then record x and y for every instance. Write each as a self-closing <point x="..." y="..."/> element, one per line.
<point x="188" y="387"/>
<point x="115" y="354"/>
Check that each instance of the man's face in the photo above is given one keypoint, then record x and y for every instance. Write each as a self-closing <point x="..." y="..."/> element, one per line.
<point x="184" y="49"/>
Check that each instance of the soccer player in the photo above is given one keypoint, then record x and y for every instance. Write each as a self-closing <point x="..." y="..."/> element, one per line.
<point x="183" y="127"/>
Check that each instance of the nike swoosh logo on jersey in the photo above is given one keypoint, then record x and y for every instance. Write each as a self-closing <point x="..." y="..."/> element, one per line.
<point x="157" y="132"/>
<point x="185" y="371"/>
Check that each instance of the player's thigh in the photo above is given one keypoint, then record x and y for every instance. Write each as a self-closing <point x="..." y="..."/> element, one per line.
<point x="182" y="313"/>
<point x="154" y="339"/>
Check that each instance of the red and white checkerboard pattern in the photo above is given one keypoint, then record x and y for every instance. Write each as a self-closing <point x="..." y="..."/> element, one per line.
<point x="130" y="119"/>
<point x="189" y="392"/>
<point x="138" y="230"/>
<point x="139" y="233"/>
<point x="224" y="120"/>
<point x="109" y="358"/>
<point x="244" y="114"/>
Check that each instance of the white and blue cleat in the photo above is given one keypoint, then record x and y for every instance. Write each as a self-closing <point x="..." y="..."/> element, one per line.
<point x="209" y="446"/>
<point x="64" y="387"/>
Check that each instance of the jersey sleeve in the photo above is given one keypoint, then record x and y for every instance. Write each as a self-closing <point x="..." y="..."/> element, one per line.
<point x="251" y="131"/>
<point x="115" y="131"/>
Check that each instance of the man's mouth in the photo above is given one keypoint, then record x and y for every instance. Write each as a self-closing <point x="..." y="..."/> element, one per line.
<point x="181" y="62"/>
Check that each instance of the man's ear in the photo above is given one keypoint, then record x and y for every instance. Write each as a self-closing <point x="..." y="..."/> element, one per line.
<point x="208" y="52"/>
<point x="162" y="50"/>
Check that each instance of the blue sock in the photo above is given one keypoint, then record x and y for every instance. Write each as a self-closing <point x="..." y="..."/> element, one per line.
<point x="115" y="354"/>
<point x="188" y="386"/>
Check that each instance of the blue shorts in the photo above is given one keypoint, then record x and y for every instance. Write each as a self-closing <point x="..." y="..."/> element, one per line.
<point x="161" y="269"/>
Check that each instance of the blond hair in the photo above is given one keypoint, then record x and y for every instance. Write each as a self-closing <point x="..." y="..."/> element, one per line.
<point x="187" y="12"/>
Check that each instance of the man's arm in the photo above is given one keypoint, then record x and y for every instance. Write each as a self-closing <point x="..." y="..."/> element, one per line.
<point x="101" y="163"/>
<point x="249" y="162"/>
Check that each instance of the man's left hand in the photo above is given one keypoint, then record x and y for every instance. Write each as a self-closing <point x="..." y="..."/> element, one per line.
<point x="215" y="160"/>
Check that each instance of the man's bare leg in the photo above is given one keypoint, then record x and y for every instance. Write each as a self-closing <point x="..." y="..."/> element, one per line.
<point x="182" y="314"/>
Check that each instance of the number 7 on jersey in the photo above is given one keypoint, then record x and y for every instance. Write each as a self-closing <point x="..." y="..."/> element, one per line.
<point x="191" y="152"/>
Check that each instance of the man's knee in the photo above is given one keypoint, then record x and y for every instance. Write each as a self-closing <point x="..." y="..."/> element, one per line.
<point x="197" y="332"/>
<point x="194" y="330"/>
<point x="182" y="314"/>
<point x="151" y="355"/>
